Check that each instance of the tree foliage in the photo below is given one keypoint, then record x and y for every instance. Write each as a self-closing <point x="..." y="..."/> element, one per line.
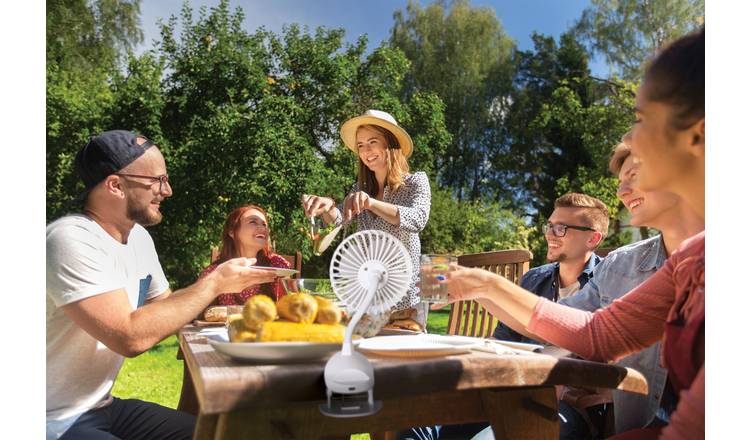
<point x="254" y="117"/>
<point x="628" y="32"/>
<point x="84" y="35"/>
<point x="241" y="118"/>
<point x="85" y="39"/>
<point x="457" y="227"/>
<point x="561" y="126"/>
<point x="464" y="56"/>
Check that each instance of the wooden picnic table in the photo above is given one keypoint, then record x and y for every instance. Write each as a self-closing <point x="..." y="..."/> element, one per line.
<point x="515" y="393"/>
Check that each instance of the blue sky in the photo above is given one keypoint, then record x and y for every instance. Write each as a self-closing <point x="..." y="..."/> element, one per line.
<point x="375" y="18"/>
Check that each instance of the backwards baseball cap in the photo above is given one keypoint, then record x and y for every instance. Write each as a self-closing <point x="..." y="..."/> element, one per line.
<point x="107" y="153"/>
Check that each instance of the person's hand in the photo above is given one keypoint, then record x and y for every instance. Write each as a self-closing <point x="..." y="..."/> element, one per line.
<point x="466" y="284"/>
<point x="316" y="205"/>
<point x="238" y="274"/>
<point x="356" y="203"/>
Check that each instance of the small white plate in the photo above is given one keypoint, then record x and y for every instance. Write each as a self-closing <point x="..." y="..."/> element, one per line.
<point x="280" y="271"/>
<point x="271" y="352"/>
<point x="519" y="345"/>
<point x="422" y="345"/>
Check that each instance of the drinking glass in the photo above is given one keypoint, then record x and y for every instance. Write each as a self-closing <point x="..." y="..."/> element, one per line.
<point x="432" y="266"/>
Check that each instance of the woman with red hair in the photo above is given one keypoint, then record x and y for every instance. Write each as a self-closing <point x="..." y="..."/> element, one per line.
<point x="246" y="234"/>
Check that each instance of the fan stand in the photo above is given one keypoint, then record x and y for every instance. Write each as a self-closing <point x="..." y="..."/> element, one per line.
<point x="349" y="375"/>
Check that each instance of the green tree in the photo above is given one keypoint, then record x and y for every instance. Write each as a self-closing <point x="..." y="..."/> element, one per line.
<point x="544" y="147"/>
<point x="84" y="35"/>
<point x="562" y="124"/>
<point x="85" y="40"/>
<point x="458" y="227"/>
<point x="628" y="32"/>
<point x="463" y="55"/>
<point x="254" y="118"/>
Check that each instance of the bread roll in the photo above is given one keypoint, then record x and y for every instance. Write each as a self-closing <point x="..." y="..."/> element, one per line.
<point x="410" y="313"/>
<point x="405" y="324"/>
<point x="215" y="314"/>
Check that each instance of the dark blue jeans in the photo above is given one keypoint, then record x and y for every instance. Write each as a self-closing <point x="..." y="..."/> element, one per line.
<point x="444" y="432"/>
<point x="132" y="419"/>
<point x="574" y="427"/>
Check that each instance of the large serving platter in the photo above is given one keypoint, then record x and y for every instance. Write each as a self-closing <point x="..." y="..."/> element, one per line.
<point x="267" y="352"/>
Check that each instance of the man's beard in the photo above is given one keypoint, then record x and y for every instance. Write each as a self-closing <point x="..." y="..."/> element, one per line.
<point x="557" y="259"/>
<point x="141" y="214"/>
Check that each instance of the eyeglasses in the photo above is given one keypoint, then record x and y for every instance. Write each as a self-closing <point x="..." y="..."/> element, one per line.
<point x="560" y="229"/>
<point x="163" y="179"/>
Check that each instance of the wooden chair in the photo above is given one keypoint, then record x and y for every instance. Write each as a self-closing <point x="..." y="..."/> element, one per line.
<point x="295" y="260"/>
<point x="469" y="318"/>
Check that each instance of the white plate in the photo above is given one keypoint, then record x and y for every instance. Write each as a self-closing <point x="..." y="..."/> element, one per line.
<point x="271" y="352"/>
<point x="422" y="345"/>
<point x="280" y="271"/>
<point x="520" y="345"/>
<point x="498" y="345"/>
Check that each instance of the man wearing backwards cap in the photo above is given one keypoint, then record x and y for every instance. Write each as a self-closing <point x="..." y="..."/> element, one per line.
<point x="107" y="296"/>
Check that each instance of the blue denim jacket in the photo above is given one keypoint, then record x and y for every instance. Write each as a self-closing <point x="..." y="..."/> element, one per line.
<point x="622" y="270"/>
<point x="544" y="281"/>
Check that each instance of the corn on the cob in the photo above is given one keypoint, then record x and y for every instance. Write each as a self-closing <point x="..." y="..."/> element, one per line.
<point x="298" y="307"/>
<point x="257" y="310"/>
<point x="328" y="312"/>
<point x="284" y="331"/>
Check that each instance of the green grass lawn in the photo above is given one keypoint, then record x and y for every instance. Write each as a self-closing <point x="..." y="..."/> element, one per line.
<point x="156" y="375"/>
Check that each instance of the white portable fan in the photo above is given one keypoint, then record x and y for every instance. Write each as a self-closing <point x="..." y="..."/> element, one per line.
<point x="370" y="271"/>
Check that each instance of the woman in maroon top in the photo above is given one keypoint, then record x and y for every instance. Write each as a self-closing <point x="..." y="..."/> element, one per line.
<point x="668" y="137"/>
<point x="246" y="234"/>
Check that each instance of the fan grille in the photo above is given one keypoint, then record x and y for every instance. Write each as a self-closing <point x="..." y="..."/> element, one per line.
<point x="364" y="247"/>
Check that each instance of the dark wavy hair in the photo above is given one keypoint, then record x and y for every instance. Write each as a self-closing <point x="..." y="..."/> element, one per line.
<point x="677" y="77"/>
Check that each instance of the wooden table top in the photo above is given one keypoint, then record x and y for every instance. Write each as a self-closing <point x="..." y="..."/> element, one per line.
<point x="223" y="384"/>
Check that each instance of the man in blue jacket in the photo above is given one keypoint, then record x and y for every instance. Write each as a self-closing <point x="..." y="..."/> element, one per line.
<point x="575" y="229"/>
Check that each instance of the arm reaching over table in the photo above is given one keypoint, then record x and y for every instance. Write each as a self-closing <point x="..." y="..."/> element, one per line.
<point x="109" y="317"/>
<point x="672" y="295"/>
<point x="607" y="334"/>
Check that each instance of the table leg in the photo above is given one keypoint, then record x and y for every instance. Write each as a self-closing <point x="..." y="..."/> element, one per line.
<point x="205" y="428"/>
<point x="518" y="414"/>
<point x="188" y="399"/>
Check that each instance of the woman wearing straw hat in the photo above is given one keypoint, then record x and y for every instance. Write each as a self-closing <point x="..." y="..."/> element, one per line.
<point x="386" y="196"/>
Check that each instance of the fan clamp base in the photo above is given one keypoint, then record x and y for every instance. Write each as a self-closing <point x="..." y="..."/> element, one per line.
<point x="350" y="405"/>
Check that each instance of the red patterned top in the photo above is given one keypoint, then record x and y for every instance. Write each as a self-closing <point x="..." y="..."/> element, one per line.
<point x="275" y="290"/>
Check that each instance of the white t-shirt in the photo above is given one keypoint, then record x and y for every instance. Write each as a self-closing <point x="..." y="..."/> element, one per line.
<point x="83" y="260"/>
<point x="567" y="291"/>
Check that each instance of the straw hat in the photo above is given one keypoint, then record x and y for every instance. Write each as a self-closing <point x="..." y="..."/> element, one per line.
<point x="381" y="119"/>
